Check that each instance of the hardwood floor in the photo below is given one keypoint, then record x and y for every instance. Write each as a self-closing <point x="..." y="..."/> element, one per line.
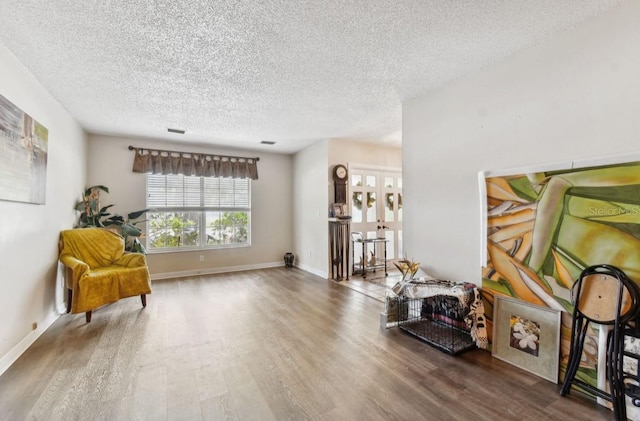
<point x="263" y="345"/>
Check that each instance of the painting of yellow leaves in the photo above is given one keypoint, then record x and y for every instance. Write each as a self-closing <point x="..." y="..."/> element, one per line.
<point x="544" y="228"/>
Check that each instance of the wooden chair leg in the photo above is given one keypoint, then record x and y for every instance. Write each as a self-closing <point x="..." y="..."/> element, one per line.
<point x="69" y="297"/>
<point x="88" y="316"/>
<point x="143" y="298"/>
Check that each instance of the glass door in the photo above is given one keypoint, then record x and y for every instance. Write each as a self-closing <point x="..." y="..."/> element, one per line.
<point x="375" y="203"/>
<point x="391" y="204"/>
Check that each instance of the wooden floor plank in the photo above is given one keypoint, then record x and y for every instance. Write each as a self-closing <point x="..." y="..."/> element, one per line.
<point x="267" y="344"/>
<point x="150" y="395"/>
<point x="249" y="401"/>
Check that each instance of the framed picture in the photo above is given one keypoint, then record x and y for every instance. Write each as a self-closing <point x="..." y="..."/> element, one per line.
<point x="527" y="336"/>
<point x="23" y="155"/>
<point x="337" y="209"/>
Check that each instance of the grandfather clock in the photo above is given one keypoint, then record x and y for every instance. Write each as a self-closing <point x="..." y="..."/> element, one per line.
<point x="339" y="227"/>
<point x="340" y="177"/>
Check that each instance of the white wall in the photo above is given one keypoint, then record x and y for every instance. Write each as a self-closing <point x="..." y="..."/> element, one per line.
<point x="574" y="97"/>
<point x="110" y="163"/>
<point x="310" y="208"/>
<point x="29" y="280"/>
<point x="343" y="151"/>
<point x="314" y="192"/>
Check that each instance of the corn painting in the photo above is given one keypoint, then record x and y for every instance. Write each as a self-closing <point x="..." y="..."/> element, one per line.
<point x="544" y="228"/>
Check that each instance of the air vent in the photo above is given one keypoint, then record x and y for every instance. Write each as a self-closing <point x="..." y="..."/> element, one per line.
<point x="268" y="142"/>
<point x="175" y="131"/>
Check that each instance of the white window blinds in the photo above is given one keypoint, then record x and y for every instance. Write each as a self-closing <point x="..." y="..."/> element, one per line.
<point x="179" y="191"/>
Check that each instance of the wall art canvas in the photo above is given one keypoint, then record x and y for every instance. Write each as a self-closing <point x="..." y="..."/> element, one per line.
<point x="527" y="336"/>
<point x="23" y="155"/>
<point x="541" y="228"/>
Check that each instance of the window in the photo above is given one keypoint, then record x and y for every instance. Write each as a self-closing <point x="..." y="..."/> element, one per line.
<point x="190" y="213"/>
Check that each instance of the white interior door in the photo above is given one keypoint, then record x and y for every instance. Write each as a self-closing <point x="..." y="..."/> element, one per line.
<point x="391" y="212"/>
<point x="375" y="203"/>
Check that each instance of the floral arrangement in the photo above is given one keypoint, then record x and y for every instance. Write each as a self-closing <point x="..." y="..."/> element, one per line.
<point x="407" y="267"/>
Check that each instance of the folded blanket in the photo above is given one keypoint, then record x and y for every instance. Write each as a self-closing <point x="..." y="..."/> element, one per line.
<point x="99" y="271"/>
<point x="96" y="247"/>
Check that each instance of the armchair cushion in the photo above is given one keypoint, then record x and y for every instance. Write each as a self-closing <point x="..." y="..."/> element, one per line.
<point x="99" y="271"/>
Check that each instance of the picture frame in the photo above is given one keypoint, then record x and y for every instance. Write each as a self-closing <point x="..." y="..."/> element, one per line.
<point x="337" y="209"/>
<point x="527" y="336"/>
<point x="23" y="155"/>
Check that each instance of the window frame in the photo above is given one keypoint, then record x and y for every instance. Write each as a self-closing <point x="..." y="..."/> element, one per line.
<point x="202" y="211"/>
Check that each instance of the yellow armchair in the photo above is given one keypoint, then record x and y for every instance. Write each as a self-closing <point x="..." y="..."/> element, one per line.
<point x="99" y="272"/>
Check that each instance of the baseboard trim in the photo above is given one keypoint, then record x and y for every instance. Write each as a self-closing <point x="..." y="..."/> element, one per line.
<point x="314" y="271"/>
<point x="213" y="271"/>
<point x="10" y="357"/>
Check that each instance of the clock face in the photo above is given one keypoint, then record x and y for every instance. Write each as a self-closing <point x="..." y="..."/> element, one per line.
<point x="340" y="172"/>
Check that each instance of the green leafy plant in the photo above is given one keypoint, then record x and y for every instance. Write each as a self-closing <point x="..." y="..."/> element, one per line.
<point x="92" y="214"/>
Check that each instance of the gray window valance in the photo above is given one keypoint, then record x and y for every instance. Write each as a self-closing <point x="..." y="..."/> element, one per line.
<point x="157" y="161"/>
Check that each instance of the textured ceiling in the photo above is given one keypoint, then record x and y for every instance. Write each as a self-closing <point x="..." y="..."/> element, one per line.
<point x="233" y="72"/>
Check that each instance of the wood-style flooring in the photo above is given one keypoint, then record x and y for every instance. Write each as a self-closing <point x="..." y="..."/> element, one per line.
<point x="273" y="344"/>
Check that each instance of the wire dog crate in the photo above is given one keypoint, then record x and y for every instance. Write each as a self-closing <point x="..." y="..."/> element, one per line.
<point x="437" y="320"/>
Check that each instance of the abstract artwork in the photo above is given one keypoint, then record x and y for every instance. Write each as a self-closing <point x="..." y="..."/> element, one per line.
<point x="23" y="155"/>
<point x="541" y="228"/>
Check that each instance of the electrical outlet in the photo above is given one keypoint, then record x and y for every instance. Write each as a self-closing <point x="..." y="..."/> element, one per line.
<point x="201" y="258"/>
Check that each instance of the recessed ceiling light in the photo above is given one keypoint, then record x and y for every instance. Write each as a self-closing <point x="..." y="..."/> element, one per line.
<point x="268" y="142"/>
<point x="179" y="131"/>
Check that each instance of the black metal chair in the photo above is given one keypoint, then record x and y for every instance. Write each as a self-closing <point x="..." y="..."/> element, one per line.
<point x="631" y="377"/>
<point x="602" y="294"/>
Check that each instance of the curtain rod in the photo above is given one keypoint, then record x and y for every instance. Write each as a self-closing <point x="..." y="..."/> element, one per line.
<point x="131" y="148"/>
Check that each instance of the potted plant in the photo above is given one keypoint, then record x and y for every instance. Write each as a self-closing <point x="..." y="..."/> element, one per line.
<point x="92" y="214"/>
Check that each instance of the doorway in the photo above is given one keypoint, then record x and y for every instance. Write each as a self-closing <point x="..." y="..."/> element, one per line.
<point x="375" y="204"/>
